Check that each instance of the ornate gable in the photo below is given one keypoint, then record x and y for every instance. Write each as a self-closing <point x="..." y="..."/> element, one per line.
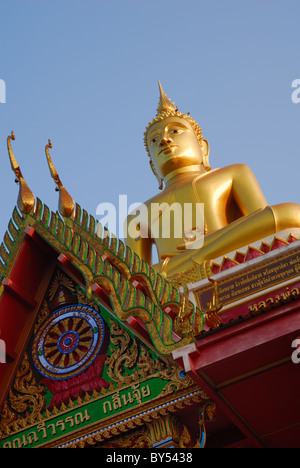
<point x="97" y="360"/>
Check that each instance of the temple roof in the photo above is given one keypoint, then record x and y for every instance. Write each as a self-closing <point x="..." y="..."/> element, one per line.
<point x="247" y="292"/>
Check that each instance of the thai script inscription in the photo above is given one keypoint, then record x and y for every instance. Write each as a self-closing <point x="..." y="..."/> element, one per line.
<point x="117" y="401"/>
<point x="44" y="430"/>
<point x="272" y="302"/>
<point x="251" y="282"/>
<point x="136" y="395"/>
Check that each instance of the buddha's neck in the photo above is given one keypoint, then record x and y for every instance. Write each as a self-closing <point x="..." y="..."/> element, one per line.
<point x="181" y="174"/>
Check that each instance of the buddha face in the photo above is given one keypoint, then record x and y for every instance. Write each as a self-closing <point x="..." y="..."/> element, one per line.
<point x="173" y="145"/>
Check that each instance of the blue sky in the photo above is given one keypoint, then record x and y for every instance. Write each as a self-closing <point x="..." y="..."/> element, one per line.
<point x="84" y="73"/>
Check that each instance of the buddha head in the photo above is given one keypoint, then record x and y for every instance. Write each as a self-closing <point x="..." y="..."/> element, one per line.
<point x="174" y="141"/>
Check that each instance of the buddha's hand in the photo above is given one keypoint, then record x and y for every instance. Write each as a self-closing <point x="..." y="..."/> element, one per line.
<point x="180" y="264"/>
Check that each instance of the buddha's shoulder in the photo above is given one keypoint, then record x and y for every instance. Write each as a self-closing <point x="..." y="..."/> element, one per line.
<point x="158" y="198"/>
<point x="232" y="170"/>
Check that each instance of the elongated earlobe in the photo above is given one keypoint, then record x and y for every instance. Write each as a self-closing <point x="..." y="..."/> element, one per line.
<point x="205" y="154"/>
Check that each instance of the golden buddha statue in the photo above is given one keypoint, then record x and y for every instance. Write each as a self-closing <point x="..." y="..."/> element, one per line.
<point x="236" y="212"/>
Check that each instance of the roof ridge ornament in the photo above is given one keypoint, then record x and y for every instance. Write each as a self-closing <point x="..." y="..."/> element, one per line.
<point x="66" y="203"/>
<point x="26" y="199"/>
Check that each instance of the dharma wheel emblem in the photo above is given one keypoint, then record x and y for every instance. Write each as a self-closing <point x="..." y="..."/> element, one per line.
<point x="68" y="342"/>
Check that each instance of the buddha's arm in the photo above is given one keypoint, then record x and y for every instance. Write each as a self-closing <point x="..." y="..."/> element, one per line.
<point x="138" y="241"/>
<point x="246" y="190"/>
<point x="258" y="221"/>
<point x="244" y="231"/>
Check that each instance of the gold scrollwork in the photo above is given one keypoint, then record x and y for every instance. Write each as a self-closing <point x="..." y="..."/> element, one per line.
<point x="25" y="399"/>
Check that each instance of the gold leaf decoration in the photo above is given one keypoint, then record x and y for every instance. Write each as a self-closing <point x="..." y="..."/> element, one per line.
<point x="60" y="280"/>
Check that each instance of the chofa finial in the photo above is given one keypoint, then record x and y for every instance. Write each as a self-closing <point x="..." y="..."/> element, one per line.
<point x="26" y="199"/>
<point x="66" y="202"/>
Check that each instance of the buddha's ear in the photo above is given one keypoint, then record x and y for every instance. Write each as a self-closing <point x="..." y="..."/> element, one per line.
<point x="205" y="154"/>
<point x="159" y="180"/>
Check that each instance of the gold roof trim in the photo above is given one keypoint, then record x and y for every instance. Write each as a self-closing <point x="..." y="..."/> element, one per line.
<point x="26" y="199"/>
<point x="66" y="202"/>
